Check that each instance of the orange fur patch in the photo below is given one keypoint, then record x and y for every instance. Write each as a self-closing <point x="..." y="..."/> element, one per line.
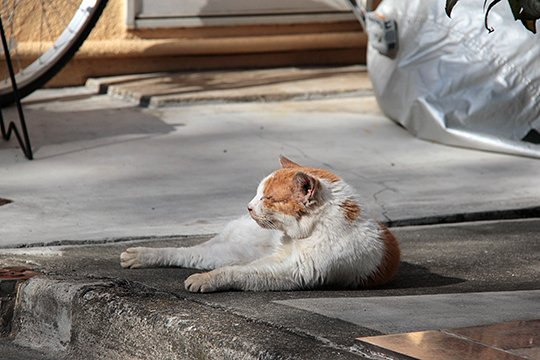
<point x="315" y="172"/>
<point x="389" y="265"/>
<point x="279" y="193"/>
<point x="280" y="189"/>
<point x="321" y="174"/>
<point x="351" y="210"/>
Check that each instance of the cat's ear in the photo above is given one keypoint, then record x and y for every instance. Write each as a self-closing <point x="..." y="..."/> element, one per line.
<point x="306" y="187"/>
<point x="286" y="163"/>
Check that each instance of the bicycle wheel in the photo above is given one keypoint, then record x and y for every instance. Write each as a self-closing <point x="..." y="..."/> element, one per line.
<point x="43" y="35"/>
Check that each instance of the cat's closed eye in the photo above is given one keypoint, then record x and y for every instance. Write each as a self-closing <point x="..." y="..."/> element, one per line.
<point x="273" y="199"/>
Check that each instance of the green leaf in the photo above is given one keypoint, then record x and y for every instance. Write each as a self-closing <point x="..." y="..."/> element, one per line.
<point x="530" y="25"/>
<point x="531" y="9"/>
<point x="449" y="6"/>
<point x="515" y="5"/>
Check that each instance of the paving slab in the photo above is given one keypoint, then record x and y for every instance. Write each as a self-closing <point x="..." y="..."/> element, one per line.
<point x="518" y="340"/>
<point x="108" y="170"/>
<point x="422" y="312"/>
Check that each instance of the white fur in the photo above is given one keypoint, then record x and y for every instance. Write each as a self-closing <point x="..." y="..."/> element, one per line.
<point x="322" y="248"/>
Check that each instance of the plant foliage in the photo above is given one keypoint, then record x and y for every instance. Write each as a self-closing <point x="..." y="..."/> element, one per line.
<point x="527" y="11"/>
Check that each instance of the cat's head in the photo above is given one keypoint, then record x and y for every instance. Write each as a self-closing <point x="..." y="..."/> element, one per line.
<point x="287" y="198"/>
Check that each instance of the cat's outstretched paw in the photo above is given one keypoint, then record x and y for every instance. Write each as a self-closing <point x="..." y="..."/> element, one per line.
<point x="132" y="258"/>
<point x="201" y="282"/>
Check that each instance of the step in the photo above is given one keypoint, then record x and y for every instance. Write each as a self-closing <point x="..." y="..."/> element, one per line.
<point x="173" y="89"/>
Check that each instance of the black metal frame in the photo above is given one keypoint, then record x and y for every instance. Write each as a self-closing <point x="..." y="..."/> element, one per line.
<point x="24" y="140"/>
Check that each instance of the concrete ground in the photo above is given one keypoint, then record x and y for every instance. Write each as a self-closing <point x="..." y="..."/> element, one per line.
<point x="109" y="173"/>
<point x="451" y="276"/>
<point x="106" y="168"/>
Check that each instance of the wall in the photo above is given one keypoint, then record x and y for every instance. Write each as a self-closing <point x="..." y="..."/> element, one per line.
<point x="112" y="49"/>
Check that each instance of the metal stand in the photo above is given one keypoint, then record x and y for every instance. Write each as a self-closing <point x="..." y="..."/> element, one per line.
<point x="24" y="140"/>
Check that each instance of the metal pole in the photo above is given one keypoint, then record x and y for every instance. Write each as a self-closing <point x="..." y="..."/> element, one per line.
<point x="25" y="142"/>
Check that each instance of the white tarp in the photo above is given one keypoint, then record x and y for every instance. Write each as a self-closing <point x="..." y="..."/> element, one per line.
<point x="455" y="83"/>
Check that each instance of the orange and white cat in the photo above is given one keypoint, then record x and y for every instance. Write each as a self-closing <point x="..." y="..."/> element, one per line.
<point x="305" y="230"/>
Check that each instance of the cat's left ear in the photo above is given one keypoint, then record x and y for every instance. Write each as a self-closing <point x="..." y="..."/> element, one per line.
<point x="306" y="187"/>
<point x="286" y="163"/>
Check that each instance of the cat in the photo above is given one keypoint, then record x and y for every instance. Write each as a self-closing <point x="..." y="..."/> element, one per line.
<point x="305" y="229"/>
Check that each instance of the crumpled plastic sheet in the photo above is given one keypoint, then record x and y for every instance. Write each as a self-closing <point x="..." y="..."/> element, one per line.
<point x="453" y="82"/>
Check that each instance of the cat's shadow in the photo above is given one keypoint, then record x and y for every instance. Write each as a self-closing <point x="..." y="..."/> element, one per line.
<point x="417" y="276"/>
<point x="410" y="277"/>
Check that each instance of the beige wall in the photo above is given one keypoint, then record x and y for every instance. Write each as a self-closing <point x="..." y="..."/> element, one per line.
<point x="112" y="49"/>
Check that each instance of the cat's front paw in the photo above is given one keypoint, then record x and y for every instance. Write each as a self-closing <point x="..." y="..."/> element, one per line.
<point x="202" y="282"/>
<point x="132" y="258"/>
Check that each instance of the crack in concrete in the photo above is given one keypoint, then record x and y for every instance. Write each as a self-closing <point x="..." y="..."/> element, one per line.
<point x="384" y="212"/>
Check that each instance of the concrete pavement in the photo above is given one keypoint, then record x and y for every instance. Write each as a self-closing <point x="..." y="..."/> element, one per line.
<point x="106" y="169"/>
<point x="11" y="351"/>
<point x="109" y="173"/>
<point x="451" y="276"/>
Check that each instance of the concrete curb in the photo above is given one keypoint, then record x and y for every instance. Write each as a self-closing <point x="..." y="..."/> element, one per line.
<point x="108" y="319"/>
<point x="208" y="230"/>
<point x="469" y="217"/>
<point x="222" y="87"/>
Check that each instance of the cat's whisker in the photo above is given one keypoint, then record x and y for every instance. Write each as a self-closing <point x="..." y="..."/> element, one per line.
<point x="270" y="224"/>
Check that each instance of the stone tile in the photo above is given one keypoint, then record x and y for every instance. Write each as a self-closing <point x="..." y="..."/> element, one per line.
<point x="430" y="345"/>
<point x="507" y="335"/>
<point x="528" y="353"/>
<point x="426" y="312"/>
